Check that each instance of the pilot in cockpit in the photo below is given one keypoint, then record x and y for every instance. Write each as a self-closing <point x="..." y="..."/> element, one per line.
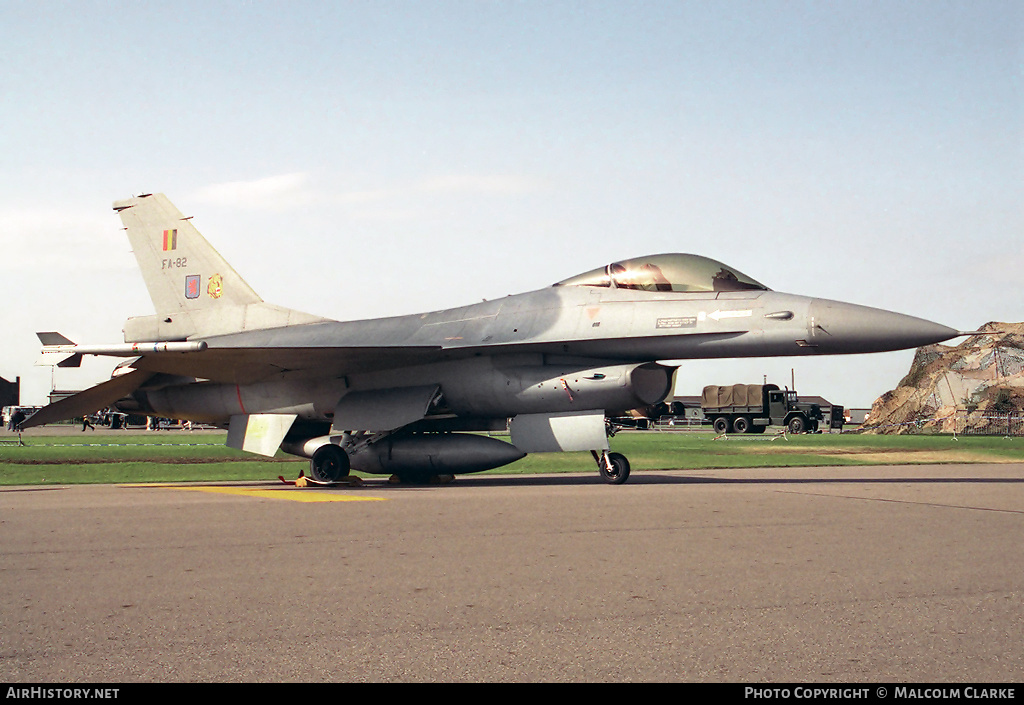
<point x="647" y="277"/>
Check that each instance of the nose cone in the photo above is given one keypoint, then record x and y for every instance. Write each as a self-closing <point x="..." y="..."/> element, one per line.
<point x="835" y="327"/>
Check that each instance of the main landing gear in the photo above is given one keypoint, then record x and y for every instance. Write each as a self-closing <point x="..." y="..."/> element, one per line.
<point x="329" y="464"/>
<point x="614" y="467"/>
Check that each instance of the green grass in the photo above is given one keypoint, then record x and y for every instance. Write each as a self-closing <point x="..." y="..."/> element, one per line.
<point x="162" y="457"/>
<point x="176" y="457"/>
<point x="663" y="451"/>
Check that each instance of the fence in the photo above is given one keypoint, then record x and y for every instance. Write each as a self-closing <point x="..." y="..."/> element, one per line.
<point x="960" y="423"/>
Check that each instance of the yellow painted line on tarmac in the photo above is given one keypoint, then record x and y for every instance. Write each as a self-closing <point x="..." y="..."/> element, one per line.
<point x="295" y="495"/>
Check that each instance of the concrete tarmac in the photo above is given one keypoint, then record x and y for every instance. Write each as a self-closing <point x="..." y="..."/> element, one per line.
<point x="865" y="575"/>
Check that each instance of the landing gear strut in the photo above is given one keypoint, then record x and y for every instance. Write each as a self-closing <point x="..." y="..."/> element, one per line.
<point x="614" y="467"/>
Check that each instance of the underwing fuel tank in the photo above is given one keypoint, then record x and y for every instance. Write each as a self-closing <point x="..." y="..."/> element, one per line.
<point x="438" y="453"/>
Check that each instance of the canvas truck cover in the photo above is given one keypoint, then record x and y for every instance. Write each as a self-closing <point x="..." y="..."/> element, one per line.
<point x="717" y="397"/>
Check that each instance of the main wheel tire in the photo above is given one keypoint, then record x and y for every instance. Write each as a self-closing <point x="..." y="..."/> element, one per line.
<point x="329" y="464"/>
<point x="619" y="471"/>
<point x="797" y="424"/>
<point x="741" y="425"/>
<point x="722" y="425"/>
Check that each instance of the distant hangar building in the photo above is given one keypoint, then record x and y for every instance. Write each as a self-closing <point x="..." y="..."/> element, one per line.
<point x="10" y="392"/>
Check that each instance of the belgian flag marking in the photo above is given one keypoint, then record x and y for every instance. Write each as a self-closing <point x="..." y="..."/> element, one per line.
<point x="170" y="240"/>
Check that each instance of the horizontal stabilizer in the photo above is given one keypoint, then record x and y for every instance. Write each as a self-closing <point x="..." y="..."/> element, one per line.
<point x="91" y="400"/>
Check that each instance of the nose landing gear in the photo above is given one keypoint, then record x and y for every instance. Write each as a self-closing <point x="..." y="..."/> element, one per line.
<point x="614" y="467"/>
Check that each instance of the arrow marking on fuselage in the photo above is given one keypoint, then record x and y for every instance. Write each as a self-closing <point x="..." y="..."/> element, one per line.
<point x="719" y="314"/>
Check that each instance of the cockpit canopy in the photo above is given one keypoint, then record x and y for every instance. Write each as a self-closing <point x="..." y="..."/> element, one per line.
<point x="669" y="272"/>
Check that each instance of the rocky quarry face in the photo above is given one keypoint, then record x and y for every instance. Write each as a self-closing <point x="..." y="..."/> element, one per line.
<point x="974" y="387"/>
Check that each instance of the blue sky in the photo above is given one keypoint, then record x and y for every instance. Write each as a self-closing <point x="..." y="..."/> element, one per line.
<point x="362" y="159"/>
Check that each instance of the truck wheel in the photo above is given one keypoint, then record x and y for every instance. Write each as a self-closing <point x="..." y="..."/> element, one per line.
<point x="722" y="425"/>
<point x="797" y="425"/>
<point x="741" y="424"/>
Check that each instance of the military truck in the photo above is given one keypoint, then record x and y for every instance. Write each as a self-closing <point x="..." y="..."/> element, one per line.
<point x="751" y="408"/>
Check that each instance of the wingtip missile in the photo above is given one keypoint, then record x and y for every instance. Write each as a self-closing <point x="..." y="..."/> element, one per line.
<point x="58" y="348"/>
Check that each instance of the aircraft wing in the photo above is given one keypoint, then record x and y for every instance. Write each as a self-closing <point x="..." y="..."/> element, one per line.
<point x="91" y="400"/>
<point x="248" y="365"/>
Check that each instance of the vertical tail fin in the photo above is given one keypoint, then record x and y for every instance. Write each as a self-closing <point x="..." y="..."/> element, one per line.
<point x="195" y="291"/>
<point x="181" y="269"/>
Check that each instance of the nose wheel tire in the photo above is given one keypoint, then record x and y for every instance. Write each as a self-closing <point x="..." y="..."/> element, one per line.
<point x="614" y="468"/>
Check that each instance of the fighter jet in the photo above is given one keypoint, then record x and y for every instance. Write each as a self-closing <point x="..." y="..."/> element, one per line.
<point x="404" y="395"/>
